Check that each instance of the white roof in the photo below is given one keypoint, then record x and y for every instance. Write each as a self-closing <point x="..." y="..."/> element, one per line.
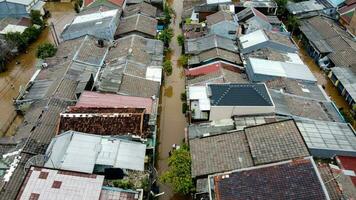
<point x="281" y="69"/>
<point x="200" y="93"/>
<point x="154" y="74"/>
<point x="81" y="152"/>
<point x="253" y="38"/>
<point x="217" y="1"/>
<point x="94" y="16"/>
<point x="22" y="2"/>
<point x="73" y="186"/>
<point x="13" y="28"/>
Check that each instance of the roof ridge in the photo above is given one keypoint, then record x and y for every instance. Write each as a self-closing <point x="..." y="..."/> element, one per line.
<point x="224" y="94"/>
<point x="263" y="96"/>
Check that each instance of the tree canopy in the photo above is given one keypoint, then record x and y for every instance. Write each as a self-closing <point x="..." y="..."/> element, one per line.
<point x="46" y="50"/>
<point x="166" y="36"/>
<point x="179" y="172"/>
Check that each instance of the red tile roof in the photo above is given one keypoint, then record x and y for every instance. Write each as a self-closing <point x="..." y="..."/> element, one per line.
<point x="348" y="163"/>
<point x="210" y="68"/>
<point x="106" y="100"/>
<point x="87" y="2"/>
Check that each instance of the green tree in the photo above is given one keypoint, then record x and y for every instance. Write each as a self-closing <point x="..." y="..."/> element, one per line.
<point x="124" y="184"/>
<point x="17" y="39"/>
<point x="282" y="8"/>
<point x="167" y="67"/>
<point x="183" y="60"/>
<point x="179" y="172"/>
<point x="46" y="50"/>
<point x="166" y="36"/>
<point x="36" y="18"/>
<point x="167" y="11"/>
<point x="180" y="39"/>
<point x="292" y="23"/>
<point x="31" y="34"/>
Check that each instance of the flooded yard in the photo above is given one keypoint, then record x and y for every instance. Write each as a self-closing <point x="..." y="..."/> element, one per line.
<point x="172" y="121"/>
<point x="20" y="70"/>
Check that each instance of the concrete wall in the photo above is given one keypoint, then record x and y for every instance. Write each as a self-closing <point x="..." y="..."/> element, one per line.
<point x="272" y="45"/>
<point x="224" y="112"/>
<point x="12" y="10"/>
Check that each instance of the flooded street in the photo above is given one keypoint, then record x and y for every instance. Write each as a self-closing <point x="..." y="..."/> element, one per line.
<point x="172" y="121"/>
<point x="19" y="74"/>
<point x="324" y="80"/>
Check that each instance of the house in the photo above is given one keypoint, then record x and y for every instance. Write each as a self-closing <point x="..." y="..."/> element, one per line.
<point x="141" y="8"/>
<point x="81" y="152"/>
<point x="299" y="107"/>
<point x="222" y="101"/>
<point x="216" y="72"/>
<point x="311" y="8"/>
<point x="212" y="55"/>
<point x="191" y="31"/>
<point x="10" y="24"/>
<point x="101" y="25"/>
<point x="106" y="121"/>
<point x="255" y="145"/>
<point x="327" y="43"/>
<point x="98" y="6"/>
<point x="267" y="7"/>
<point x="344" y="79"/>
<point x="266" y="39"/>
<point x="137" y="24"/>
<point x="260" y="70"/>
<point x="119" y="3"/>
<point x="291" y="179"/>
<point x="48" y="183"/>
<point x="20" y="8"/>
<point x="223" y="23"/>
<point x="326" y="139"/>
<point x="220" y="16"/>
<point x="133" y="67"/>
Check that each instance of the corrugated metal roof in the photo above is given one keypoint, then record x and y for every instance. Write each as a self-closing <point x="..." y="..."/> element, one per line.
<point x="347" y="78"/>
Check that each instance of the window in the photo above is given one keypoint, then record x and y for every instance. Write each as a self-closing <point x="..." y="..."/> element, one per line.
<point x="57" y="184"/>
<point x="43" y="175"/>
<point x="34" y="196"/>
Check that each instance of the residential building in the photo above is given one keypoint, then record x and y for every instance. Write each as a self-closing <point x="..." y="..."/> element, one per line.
<point x="20" y="8"/>
<point x="311" y="8"/>
<point x="119" y="3"/>
<point x="141" y="8"/>
<point x="138" y="24"/>
<point x="327" y="43"/>
<point x="9" y="24"/>
<point x="226" y="28"/>
<point x="101" y="25"/>
<point x="291" y="179"/>
<point x="266" y="39"/>
<point x="90" y="153"/>
<point x="267" y="7"/>
<point x="222" y="101"/>
<point x="216" y="72"/>
<point x="347" y="16"/>
<point x="344" y="79"/>
<point x="191" y="31"/>
<point x="260" y="70"/>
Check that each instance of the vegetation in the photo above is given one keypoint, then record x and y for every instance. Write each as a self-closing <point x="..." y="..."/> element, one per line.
<point x="166" y="36"/>
<point x="77" y="5"/>
<point x="292" y="23"/>
<point x="124" y="184"/>
<point x="145" y="184"/>
<point x="282" y="8"/>
<point x="180" y="40"/>
<point x="185" y="107"/>
<point x="168" y="12"/>
<point x="183" y="60"/>
<point x="179" y="173"/>
<point x="46" y="50"/>
<point x="17" y="39"/>
<point x="36" y="18"/>
<point x="183" y="96"/>
<point x="167" y="67"/>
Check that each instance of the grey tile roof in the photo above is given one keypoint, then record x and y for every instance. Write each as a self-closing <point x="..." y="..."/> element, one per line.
<point x="275" y="141"/>
<point x="140" y="8"/>
<point x="230" y="95"/>
<point x="219" y="153"/>
<point x="140" y="87"/>
<point x="293" y="179"/>
<point x="199" y="130"/>
<point x="90" y="52"/>
<point x="137" y="23"/>
<point x="215" y="54"/>
<point x="138" y="49"/>
<point x="198" y="45"/>
<point x="330" y="182"/>
<point x="347" y="77"/>
<point x="219" y="17"/>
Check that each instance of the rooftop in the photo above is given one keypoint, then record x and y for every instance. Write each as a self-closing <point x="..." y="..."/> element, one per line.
<point x="192" y="31"/>
<point x="347" y="77"/>
<point x="106" y="121"/>
<point x="305" y="6"/>
<point x="137" y="23"/>
<point x="198" y="45"/>
<point x="199" y="130"/>
<point x="90" y="52"/>
<point x="140" y="8"/>
<point x="276" y="141"/>
<point x="276" y="69"/>
<point x="293" y="179"/>
<point x="105" y="100"/>
<point x="215" y="54"/>
<point x="348" y="163"/>
<point x="219" y="17"/>
<point x="45" y="183"/>
<point x="81" y="152"/>
<point x="240" y="95"/>
<point x="326" y="139"/>
<point x="219" y="153"/>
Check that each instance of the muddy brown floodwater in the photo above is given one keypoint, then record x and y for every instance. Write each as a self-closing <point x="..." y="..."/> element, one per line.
<point x="172" y="121"/>
<point x="20" y="70"/>
<point x="324" y="80"/>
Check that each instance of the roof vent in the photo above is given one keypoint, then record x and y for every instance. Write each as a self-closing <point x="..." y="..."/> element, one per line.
<point x="101" y="43"/>
<point x="130" y="51"/>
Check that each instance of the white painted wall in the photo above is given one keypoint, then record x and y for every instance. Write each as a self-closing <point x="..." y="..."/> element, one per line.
<point x="224" y="112"/>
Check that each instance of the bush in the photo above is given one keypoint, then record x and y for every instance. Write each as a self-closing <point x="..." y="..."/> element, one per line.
<point x="183" y="96"/>
<point x="180" y="40"/>
<point x="179" y="171"/>
<point x="123" y="184"/>
<point x="167" y="11"/>
<point x="166" y="36"/>
<point x="31" y="34"/>
<point x="183" y="60"/>
<point x="184" y="107"/>
<point x="46" y="50"/>
<point x="17" y="39"/>
<point x="36" y="18"/>
<point x="167" y="67"/>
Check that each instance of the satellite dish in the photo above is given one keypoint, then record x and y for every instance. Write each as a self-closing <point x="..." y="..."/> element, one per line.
<point x="37" y="160"/>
